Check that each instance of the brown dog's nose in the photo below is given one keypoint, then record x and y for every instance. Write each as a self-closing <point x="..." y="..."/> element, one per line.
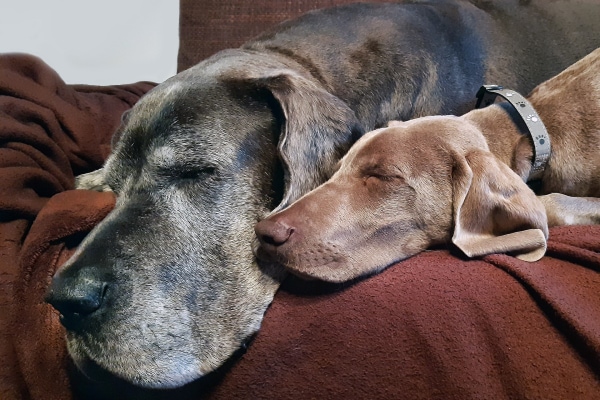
<point x="273" y="232"/>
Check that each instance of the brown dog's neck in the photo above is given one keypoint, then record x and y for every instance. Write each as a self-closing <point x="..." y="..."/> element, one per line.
<point x="506" y="135"/>
<point x="567" y="104"/>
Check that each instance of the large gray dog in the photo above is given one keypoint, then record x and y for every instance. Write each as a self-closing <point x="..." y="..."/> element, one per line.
<point x="165" y="289"/>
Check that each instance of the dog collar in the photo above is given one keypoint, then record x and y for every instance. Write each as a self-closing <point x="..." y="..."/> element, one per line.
<point x="486" y="95"/>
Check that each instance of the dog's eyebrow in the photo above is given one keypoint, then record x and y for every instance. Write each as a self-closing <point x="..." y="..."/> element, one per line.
<point x="381" y="169"/>
<point x="168" y="157"/>
<point x="164" y="155"/>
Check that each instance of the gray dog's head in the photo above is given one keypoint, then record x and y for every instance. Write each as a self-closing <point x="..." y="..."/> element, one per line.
<point x="166" y="288"/>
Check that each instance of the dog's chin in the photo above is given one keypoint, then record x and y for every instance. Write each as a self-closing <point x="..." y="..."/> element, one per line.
<point x="332" y="271"/>
<point x="348" y="267"/>
<point x="171" y="373"/>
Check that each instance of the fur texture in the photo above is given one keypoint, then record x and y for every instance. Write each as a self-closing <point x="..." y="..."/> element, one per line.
<point x="166" y="288"/>
<point x="432" y="180"/>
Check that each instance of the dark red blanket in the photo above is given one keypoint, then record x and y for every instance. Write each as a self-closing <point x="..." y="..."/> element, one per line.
<point x="438" y="327"/>
<point x="435" y="326"/>
<point x="49" y="132"/>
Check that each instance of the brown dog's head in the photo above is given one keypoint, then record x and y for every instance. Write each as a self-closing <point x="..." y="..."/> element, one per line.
<point x="400" y="190"/>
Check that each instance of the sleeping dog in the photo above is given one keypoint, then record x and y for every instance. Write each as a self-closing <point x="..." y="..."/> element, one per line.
<point x="427" y="181"/>
<point x="166" y="288"/>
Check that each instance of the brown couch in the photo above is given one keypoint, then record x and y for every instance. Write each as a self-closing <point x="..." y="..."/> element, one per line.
<point x="435" y="326"/>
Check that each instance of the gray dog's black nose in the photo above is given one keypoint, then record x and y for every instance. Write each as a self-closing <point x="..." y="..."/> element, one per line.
<point x="75" y="297"/>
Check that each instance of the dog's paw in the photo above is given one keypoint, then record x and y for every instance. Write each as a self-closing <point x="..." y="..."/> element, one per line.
<point x="92" y="181"/>
<point x="566" y="210"/>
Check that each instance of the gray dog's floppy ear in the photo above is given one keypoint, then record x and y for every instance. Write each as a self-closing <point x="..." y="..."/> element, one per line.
<point x="318" y="130"/>
<point x="495" y="211"/>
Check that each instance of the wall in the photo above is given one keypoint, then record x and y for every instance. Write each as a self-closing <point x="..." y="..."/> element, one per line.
<point x="95" y="42"/>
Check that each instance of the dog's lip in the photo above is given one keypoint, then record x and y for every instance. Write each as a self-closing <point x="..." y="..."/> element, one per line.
<point x="267" y="252"/>
<point x="71" y="323"/>
<point x="78" y="324"/>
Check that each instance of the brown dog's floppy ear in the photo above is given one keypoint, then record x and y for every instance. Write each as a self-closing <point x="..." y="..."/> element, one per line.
<point x="319" y="128"/>
<point x="495" y="211"/>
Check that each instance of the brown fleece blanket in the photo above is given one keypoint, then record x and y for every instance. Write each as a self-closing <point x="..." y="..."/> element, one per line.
<point x="49" y="132"/>
<point x="435" y="326"/>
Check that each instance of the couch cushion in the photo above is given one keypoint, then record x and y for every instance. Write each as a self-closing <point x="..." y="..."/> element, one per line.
<point x="206" y="27"/>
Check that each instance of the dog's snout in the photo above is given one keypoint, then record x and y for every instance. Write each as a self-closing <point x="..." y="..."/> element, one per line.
<point x="76" y="297"/>
<point x="273" y="232"/>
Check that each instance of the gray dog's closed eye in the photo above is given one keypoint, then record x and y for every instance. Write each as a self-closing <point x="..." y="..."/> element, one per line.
<point x="166" y="288"/>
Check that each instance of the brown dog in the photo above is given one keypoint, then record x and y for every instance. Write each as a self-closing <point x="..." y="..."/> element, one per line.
<point x="419" y="183"/>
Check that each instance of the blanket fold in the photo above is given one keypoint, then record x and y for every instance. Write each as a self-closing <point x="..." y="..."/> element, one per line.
<point x="49" y="132"/>
<point x="435" y="326"/>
